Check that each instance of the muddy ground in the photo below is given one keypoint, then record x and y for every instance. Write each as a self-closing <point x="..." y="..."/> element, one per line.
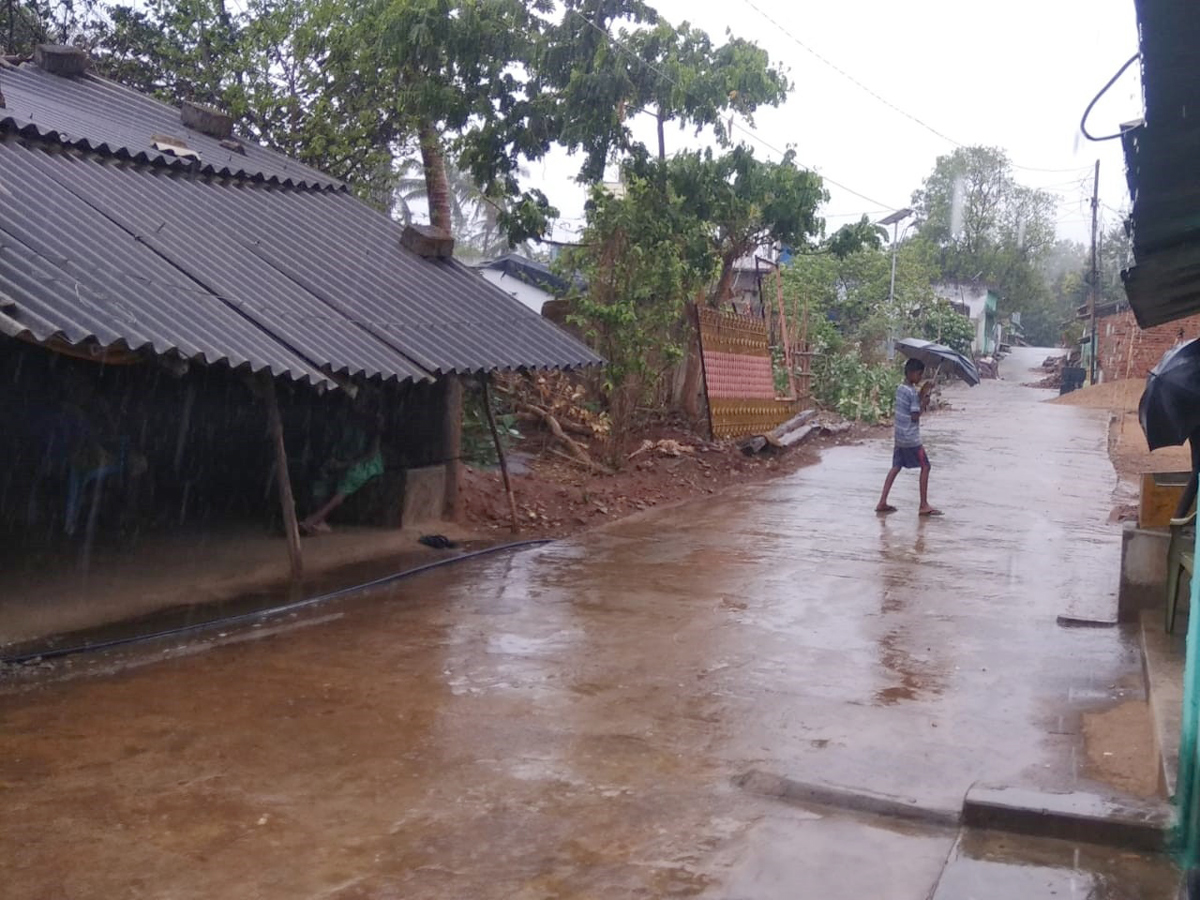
<point x="557" y="496"/>
<point x="577" y="720"/>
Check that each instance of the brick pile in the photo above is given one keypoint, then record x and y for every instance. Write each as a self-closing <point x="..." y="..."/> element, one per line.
<point x="1127" y="351"/>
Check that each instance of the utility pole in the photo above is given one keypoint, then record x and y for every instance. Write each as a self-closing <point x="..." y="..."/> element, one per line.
<point x="1095" y="268"/>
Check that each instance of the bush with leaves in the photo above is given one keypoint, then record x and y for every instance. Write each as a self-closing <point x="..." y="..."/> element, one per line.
<point x="941" y="322"/>
<point x="643" y="255"/>
<point x="478" y="445"/>
<point x="854" y="387"/>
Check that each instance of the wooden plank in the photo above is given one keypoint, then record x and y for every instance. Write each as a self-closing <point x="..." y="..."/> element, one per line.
<point x="452" y="444"/>
<point x="485" y="380"/>
<point x="291" y="526"/>
<point x="1160" y="495"/>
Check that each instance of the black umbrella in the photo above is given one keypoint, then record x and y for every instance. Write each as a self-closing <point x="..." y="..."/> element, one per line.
<point x="1170" y="407"/>
<point x="939" y="356"/>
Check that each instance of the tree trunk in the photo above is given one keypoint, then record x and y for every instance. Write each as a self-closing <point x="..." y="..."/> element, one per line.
<point x="484" y="381"/>
<point x="724" y="289"/>
<point x="291" y="526"/>
<point x="437" y="186"/>
<point x="691" y="378"/>
<point x="662" y="137"/>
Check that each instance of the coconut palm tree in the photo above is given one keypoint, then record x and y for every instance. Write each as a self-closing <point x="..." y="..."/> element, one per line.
<point x="475" y="219"/>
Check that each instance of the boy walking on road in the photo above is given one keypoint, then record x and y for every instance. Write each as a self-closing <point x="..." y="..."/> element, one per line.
<point x="908" y="453"/>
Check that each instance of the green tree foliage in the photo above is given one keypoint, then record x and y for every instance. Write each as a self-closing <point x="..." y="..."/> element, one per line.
<point x="475" y="218"/>
<point x="749" y="202"/>
<point x="1067" y="271"/>
<point x="584" y="83"/>
<point x="181" y="50"/>
<point x="855" y="236"/>
<point x="442" y="75"/>
<point x="982" y="226"/>
<point x="479" y="85"/>
<point x="679" y="76"/>
<point x="643" y="255"/>
<point x="845" y="302"/>
<point x="26" y="23"/>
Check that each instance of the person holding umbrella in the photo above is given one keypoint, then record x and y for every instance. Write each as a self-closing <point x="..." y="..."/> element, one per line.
<point x="908" y="452"/>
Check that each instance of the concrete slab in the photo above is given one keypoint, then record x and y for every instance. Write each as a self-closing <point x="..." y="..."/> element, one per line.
<point x="1081" y="816"/>
<point x="190" y="571"/>
<point x="848" y="799"/>
<point x="989" y="866"/>
<point x="1164" y="660"/>
<point x="424" y="495"/>
<point x="1143" y="571"/>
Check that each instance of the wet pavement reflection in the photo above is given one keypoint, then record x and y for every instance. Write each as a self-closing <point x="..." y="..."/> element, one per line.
<point x="567" y="721"/>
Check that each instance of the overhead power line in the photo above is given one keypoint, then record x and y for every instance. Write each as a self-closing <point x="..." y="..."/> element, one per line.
<point x="736" y="126"/>
<point x="888" y="103"/>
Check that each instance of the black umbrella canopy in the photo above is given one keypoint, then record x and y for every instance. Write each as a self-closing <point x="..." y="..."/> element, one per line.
<point x="935" y="355"/>
<point x="1169" y="410"/>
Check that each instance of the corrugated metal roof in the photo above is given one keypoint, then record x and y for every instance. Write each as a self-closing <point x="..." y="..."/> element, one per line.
<point x="296" y="281"/>
<point x="530" y="271"/>
<point x="67" y="272"/>
<point x="93" y="113"/>
<point x="1160" y="160"/>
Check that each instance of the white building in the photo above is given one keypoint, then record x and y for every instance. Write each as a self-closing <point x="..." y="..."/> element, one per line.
<point x="529" y="281"/>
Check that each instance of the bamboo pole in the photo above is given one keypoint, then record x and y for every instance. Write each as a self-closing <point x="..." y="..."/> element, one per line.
<point x="485" y="380"/>
<point x="452" y="444"/>
<point x="290" y="525"/>
<point x="783" y="334"/>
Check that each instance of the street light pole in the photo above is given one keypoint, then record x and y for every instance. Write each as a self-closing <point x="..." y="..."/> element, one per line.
<point x="895" y="248"/>
<point x="894" y="220"/>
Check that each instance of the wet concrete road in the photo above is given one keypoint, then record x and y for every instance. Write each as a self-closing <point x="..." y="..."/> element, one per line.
<point x="569" y="721"/>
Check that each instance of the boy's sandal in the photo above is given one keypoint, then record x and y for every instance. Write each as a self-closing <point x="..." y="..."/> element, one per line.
<point x="885" y="509"/>
<point x="932" y="512"/>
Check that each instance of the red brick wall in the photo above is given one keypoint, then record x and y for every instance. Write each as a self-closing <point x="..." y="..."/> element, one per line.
<point x="1127" y="351"/>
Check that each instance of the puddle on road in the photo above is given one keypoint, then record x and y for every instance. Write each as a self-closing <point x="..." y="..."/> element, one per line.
<point x="1121" y="749"/>
<point x="996" y="866"/>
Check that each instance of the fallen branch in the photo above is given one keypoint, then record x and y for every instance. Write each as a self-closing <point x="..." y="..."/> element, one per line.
<point x="589" y="464"/>
<point x="567" y="424"/>
<point x="577" y="449"/>
<point x="665" y="447"/>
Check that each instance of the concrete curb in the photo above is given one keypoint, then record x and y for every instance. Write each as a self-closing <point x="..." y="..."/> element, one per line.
<point x="817" y="794"/>
<point x="1162" y="667"/>
<point x="1078" y="816"/>
<point x="1131" y="824"/>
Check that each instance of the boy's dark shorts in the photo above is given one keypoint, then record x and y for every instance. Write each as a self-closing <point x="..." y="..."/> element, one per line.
<point x="910" y="458"/>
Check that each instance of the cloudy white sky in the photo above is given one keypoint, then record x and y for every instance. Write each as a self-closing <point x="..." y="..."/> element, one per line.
<point x="1016" y="75"/>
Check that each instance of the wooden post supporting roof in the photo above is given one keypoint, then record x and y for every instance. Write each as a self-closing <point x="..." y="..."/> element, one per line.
<point x="452" y="443"/>
<point x="485" y="380"/>
<point x="290" y="524"/>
